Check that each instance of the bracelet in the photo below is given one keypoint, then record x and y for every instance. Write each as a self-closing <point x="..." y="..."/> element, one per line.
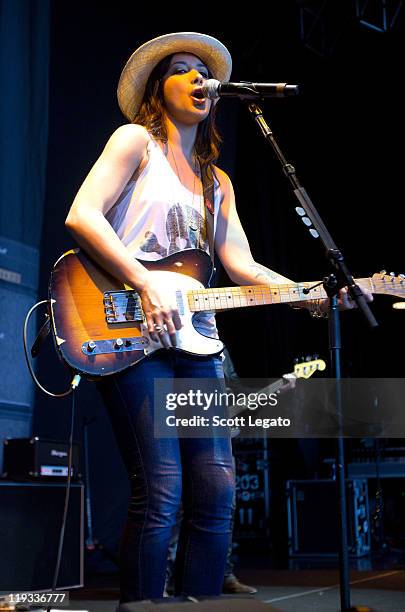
<point x="316" y="312"/>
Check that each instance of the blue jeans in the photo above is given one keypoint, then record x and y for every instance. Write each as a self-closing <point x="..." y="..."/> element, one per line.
<point x="162" y="473"/>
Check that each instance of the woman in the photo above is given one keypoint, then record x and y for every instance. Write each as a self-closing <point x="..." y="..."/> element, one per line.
<point x="144" y="199"/>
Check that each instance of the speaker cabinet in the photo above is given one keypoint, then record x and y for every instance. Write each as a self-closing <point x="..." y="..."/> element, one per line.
<point x="30" y="522"/>
<point x="313" y="518"/>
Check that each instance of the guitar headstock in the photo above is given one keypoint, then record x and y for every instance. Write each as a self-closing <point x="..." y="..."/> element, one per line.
<point x="389" y="283"/>
<point x="305" y="369"/>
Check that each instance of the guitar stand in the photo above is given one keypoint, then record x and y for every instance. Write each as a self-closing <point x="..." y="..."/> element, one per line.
<point x="317" y="229"/>
<point x="91" y="543"/>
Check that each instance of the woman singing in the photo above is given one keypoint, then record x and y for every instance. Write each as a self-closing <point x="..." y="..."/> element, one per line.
<point x="145" y="198"/>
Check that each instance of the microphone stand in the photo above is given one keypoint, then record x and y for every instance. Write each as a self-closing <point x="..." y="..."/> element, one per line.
<point x="332" y="284"/>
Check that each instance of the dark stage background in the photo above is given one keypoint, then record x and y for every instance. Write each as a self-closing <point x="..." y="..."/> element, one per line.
<point x="342" y="134"/>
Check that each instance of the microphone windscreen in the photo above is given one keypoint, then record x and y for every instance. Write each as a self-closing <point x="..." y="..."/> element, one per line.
<point x="210" y="89"/>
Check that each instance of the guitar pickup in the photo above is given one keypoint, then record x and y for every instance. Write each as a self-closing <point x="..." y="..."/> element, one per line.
<point x="123" y="307"/>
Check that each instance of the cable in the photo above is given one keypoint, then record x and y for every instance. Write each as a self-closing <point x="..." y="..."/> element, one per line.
<point x="36" y="381"/>
<point x="73" y="386"/>
<point x="67" y="495"/>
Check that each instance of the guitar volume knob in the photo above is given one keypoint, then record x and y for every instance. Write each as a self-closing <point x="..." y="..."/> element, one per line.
<point x="91" y="345"/>
<point x="119" y="343"/>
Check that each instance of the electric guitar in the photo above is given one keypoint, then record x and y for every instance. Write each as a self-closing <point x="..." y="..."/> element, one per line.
<point x="98" y="323"/>
<point x="304" y="369"/>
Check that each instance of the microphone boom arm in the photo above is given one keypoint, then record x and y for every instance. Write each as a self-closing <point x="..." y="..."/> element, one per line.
<point x="252" y="91"/>
<point x="246" y="90"/>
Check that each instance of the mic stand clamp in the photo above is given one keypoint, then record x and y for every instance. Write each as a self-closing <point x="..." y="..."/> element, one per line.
<point x="342" y="277"/>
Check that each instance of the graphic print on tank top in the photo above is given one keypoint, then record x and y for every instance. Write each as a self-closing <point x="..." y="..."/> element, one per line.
<point x="156" y="216"/>
<point x="185" y="229"/>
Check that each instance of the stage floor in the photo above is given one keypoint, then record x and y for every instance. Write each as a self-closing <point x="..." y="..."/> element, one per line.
<point x="308" y="588"/>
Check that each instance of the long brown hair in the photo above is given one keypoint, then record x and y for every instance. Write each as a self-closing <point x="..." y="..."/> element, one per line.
<point x="151" y="116"/>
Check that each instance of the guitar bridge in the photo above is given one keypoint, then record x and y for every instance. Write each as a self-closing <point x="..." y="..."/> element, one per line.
<point x="123" y="307"/>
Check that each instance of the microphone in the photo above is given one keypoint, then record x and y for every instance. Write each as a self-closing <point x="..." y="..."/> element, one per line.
<point x="214" y="89"/>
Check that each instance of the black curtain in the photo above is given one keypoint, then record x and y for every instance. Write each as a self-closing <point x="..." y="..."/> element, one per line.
<point x="24" y="52"/>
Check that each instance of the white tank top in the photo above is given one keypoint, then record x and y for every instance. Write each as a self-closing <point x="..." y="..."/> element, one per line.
<point x="156" y="216"/>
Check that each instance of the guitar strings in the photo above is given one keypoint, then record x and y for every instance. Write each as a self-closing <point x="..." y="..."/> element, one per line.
<point x="224" y="297"/>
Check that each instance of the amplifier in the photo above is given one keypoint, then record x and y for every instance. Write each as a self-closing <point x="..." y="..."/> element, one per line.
<point x="313" y="518"/>
<point x="30" y="521"/>
<point x="38" y="458"/>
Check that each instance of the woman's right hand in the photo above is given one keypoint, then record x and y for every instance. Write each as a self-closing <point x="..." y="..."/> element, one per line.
<point x="162" y="316"/>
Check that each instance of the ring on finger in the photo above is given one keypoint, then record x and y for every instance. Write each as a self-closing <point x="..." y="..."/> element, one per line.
<point x="159" y="329"/>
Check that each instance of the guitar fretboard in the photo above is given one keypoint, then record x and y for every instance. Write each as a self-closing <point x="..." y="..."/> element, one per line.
<point x="225" y="298"/>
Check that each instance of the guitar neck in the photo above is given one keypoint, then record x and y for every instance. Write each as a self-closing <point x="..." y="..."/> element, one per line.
<point x="270" y="389"/>
<point x="226" y="298"/>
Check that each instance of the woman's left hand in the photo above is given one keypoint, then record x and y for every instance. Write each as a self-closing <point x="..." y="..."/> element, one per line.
<point x="346" y="302"/>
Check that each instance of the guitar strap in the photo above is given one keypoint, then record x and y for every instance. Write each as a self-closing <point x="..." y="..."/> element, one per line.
<point x="41" y="336"/>
<point x="207" y="179"/>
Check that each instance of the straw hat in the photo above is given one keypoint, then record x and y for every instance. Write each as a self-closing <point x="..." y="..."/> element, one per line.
<point x="132" y="83"/>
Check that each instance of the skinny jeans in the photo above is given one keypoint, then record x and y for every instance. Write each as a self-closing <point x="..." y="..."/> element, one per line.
<point x="163" y="472"/>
